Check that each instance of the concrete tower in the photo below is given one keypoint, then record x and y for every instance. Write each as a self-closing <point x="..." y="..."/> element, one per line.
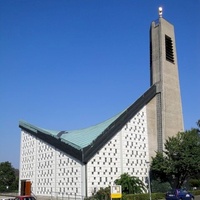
<point x="164" y="73"/>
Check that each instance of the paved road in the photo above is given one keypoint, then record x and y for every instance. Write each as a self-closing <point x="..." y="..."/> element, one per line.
<point x="197" y="197"/>
<point x="7" y="198"/>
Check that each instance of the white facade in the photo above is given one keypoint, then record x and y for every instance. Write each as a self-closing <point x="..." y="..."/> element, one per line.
<point x="54" y="173"/>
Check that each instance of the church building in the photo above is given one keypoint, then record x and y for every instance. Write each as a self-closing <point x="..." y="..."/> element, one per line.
<point x="77" y="163"/>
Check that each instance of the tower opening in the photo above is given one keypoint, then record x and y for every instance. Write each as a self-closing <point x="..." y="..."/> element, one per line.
<point x="169" y="49"/>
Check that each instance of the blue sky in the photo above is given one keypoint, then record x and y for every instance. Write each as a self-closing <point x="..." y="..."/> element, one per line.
<point x="70" y="64"/>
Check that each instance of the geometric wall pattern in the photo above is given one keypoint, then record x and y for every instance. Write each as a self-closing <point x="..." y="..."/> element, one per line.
<point x="54" y="173"/>
<point x="51" y="172"/>
<point x="127" y="152"/>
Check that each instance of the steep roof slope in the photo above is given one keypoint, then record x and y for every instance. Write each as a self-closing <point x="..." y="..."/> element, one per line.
<point x="84" y="143"/>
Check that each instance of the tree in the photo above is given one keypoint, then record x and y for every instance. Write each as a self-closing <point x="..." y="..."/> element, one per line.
<point x="130" y="184"/>
<point x="157" y="186"/>
<point x="198" y="123"/>
<point x="180" y="160"/>
<point x="103" y="193"/>
<point x="8" y="179"/>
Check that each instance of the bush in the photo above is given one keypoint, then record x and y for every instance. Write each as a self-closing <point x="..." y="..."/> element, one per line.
<point x="154" y="196"/>
<point x="195" y="192"/>
<point x="160" y="187"/>
<point x="194" y="183"/>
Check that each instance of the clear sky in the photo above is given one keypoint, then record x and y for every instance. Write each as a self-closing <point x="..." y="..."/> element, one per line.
<point x="70" y="64"/>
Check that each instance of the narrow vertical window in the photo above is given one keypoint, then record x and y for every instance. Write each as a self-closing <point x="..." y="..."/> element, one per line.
<point x="169" y="49"/>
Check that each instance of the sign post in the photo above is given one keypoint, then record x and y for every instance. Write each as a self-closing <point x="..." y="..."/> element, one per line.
<point x="116" y="192"/>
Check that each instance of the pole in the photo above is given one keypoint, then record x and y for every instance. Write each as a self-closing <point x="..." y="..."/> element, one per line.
<point x="149" y="181"/>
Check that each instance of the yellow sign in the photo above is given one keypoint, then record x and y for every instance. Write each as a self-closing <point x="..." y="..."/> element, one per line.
<point x="115" y="196"/>
<point x="116" y="191"/>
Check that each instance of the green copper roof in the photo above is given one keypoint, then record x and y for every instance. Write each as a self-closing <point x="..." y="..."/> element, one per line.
<point x="83" y="144"/>
<point x="84" y="137"/>
<point x="76" y="138"/>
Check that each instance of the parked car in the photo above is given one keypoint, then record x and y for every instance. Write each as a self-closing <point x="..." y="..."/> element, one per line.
<point x="26" y="197"/>
<point x="179" y="194"/>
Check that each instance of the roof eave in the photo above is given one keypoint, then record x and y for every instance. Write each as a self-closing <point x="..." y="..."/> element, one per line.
<point x="118" y="124"/>
<point x="55" y="142"/>
<point x="83" y="155"/>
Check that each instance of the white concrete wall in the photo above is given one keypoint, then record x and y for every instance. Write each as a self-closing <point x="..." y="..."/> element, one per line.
<point x="50" y="171"/>
<point x="55" y="174"/>
<point x="126" y="152"/>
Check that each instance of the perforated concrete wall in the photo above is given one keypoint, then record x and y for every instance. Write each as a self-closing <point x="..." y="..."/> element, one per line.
<point x="53" y="173"/>
<point x="126" y="152"/>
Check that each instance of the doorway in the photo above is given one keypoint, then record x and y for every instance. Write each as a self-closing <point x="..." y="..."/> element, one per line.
<point x="25" y="187"/>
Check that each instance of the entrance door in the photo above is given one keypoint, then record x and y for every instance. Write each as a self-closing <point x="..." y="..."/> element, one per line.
<point x="25" y="187"/>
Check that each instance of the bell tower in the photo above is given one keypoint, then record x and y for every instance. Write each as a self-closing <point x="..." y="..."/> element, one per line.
<point x="164" y="73"/>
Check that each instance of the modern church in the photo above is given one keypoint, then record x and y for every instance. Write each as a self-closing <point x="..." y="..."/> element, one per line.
<point x="77" y="163"/>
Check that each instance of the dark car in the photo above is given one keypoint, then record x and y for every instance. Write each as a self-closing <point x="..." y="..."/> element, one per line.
<point x="179" y="194"/>
<point x="27" y="197"/>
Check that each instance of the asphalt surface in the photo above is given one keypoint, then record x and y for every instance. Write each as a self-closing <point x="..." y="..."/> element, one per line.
<point x="197" y="197"/>
<point x="7" y="197"/>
